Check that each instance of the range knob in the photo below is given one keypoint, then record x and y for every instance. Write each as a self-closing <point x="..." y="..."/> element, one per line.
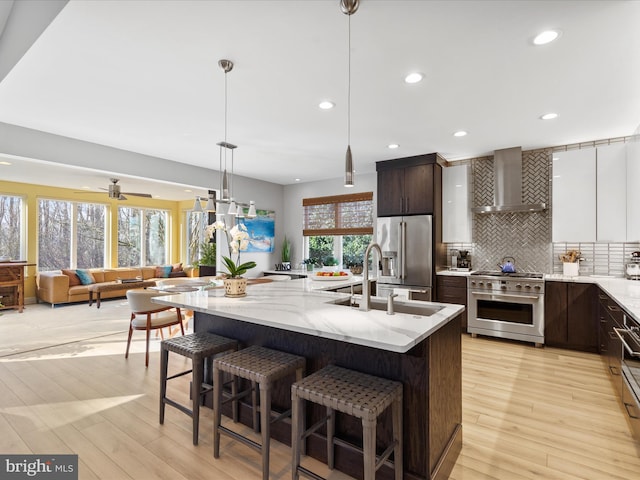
<point x="537" y="287"/>
<point x="528" y="287"/>
<point x="518" y="285"/>
<point x="481" y="283"/>
<point x="473" y="282"/>
<point x="503" y="287"/>
<point x="489" y="285"/>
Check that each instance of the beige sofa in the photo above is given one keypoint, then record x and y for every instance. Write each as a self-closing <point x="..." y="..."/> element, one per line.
<point x="53" y="287"/>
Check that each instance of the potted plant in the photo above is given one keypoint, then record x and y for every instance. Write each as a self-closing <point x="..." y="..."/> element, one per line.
<point x="207" y="262"/>
<point x="235" y="285"/>
<point x="331" y="262"/>
<point x="286" y="254"/>
<point x="310" y="263"/>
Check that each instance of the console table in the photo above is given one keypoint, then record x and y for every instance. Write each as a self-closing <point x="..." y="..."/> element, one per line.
<point x="12" y="281"/>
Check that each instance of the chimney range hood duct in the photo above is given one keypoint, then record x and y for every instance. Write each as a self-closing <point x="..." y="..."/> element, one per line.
<point x="507" y="192"/>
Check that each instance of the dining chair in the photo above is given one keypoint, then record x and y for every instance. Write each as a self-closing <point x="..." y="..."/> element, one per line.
<point x="146" y="315"/>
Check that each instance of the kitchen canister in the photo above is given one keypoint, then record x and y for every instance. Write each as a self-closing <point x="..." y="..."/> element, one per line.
<point x="570" y="269"/>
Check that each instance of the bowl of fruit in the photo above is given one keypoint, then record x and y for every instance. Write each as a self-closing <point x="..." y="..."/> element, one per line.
<point x="326" y="275"/>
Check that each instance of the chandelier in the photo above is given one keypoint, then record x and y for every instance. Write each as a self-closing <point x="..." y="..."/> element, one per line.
<point x="226" y="150"/>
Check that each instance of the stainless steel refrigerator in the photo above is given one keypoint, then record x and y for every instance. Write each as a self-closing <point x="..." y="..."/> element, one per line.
<point x="407" y="256"/>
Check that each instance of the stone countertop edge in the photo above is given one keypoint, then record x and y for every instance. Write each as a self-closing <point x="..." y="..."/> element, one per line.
<point x="454" y="273"/>
<point x="302" y="306"/>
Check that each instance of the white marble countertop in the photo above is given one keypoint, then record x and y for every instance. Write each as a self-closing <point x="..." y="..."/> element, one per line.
<point x="302" y="306"/>
<point x="625" y="292"/>
<point x="458" y="273"/>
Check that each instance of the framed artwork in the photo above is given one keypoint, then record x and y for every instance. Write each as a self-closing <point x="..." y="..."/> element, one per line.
<point x="261" y="230"/>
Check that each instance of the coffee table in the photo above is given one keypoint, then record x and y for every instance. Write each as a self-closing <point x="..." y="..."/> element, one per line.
<point x="98" y="288"/>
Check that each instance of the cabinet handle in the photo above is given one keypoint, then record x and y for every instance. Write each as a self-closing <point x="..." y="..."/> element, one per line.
<point x="626" y="407"/>
<point x="614" y="308"/>
<point x="602" y="297"/>
<point x="407" y="202"/>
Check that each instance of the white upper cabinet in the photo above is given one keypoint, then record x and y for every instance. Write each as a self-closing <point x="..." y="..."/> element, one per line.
<point x="456" y="206"/>
<point x="611" y="213"/>
<point x="633" y="189"/>
<point x="574" y="196"/>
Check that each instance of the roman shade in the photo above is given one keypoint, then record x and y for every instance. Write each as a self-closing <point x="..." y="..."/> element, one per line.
<point x="338" y="215"/>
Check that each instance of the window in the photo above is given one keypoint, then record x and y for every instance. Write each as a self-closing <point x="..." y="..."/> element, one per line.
<point x="338" y="227"/>
<point x="142" y="237"/>
<point x="11" y="227"/>
<point x="70" y="234"/>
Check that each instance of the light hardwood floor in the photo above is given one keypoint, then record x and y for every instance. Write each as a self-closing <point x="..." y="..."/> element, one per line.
<point x="65" y="387"/>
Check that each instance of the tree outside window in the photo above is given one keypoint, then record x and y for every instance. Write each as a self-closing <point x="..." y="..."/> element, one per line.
<point x="11" y="222"/>
<point x="142" y="237"/>
<point x="70" y="234"/>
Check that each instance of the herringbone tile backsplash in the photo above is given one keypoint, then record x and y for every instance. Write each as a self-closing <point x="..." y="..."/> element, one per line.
<point x="527" y="236"/>
<point x="524" y="236"/>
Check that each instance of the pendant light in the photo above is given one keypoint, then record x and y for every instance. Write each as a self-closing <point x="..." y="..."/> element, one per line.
<point x="349" y="7"/>
<point x="226" y="180"/>
<point x="197" y="206"/>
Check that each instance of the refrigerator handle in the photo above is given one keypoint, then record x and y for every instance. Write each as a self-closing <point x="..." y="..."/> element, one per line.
<point x="403" y="249"/>
<point x="400" y="252"/>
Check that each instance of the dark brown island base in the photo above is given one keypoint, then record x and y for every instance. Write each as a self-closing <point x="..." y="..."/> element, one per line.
<point x="430" y="373"/>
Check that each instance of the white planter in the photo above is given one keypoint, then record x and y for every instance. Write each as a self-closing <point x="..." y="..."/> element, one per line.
<point x="570" y="269"/>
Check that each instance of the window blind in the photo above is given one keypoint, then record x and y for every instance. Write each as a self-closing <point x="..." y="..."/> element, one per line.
<point x="338" y="215"/>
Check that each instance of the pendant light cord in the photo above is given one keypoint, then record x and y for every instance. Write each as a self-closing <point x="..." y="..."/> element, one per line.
<point x="349" y="87"/>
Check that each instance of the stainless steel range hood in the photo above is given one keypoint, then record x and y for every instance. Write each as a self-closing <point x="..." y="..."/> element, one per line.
<point x="507" y="191"/>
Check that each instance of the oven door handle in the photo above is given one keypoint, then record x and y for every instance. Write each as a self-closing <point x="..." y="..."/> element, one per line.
<point x="504" y="295"/>
<point x="626" y="345"/>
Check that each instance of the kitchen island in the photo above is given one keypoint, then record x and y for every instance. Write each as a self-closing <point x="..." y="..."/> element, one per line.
<point x="423" y="352"/>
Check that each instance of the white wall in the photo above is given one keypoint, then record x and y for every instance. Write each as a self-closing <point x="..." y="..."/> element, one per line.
<point x="293" y="195"/>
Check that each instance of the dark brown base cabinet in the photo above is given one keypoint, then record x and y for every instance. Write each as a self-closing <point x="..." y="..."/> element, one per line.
<point x="453" y="289"/>
<point x="570" y="316"/>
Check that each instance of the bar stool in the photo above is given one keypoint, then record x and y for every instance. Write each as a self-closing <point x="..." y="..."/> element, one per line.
<point x="360" y="395"/>
<point x="199" y="347"/>
<point x="262" y="366"/>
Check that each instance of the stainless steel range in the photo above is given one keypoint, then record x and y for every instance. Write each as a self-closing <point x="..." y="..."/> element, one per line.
<point x="507" y="305"/>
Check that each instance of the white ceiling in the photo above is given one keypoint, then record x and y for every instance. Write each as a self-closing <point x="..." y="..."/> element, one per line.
<point x="143" y="76"/>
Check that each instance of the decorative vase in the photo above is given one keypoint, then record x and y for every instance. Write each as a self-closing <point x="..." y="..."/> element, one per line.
<point x="235" y="287"/>
<point x="570" y="269"/>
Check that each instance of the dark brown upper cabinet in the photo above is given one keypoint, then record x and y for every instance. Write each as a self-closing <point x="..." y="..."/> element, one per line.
<point x="406" y="185"/>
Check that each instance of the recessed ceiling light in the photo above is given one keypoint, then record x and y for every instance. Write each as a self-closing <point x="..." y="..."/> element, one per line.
<point x="393" y="146"/>
<point x="326" y="105"/>
<point x="187" y="190"/>
<point x="413" y="77"/>
<point x="5" y="163"/>
<point x="460" y="133"/>
<point x="549" y="116"/>
<point x="545" y="37"/>
<point x="85" y="188"/>
<point x="297" y="179"/>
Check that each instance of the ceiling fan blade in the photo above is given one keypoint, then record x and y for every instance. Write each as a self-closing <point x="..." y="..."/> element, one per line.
<point x="146" y="195"/>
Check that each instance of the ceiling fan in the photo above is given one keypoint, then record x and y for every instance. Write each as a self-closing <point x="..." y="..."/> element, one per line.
<point x="114" y="191"/>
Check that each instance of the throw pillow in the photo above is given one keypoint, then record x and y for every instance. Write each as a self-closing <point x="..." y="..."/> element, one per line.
<point x="73" y="278"/>
<point x="163" y="271"/>
<point x="85" y="276"/>
<point x="176" y="267"/>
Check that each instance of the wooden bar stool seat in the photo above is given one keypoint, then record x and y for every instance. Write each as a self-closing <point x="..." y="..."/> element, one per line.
<point x="353" y="393"/>
<point x="200" y="348"/>
<point x="263" y="367"/>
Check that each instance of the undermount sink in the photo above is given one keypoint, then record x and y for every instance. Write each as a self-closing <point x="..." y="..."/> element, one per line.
<point x="378" y="303"/>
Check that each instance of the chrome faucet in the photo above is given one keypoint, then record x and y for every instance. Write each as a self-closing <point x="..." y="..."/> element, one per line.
<point x="366" y="293"/>
<point x="390" y="307"/>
